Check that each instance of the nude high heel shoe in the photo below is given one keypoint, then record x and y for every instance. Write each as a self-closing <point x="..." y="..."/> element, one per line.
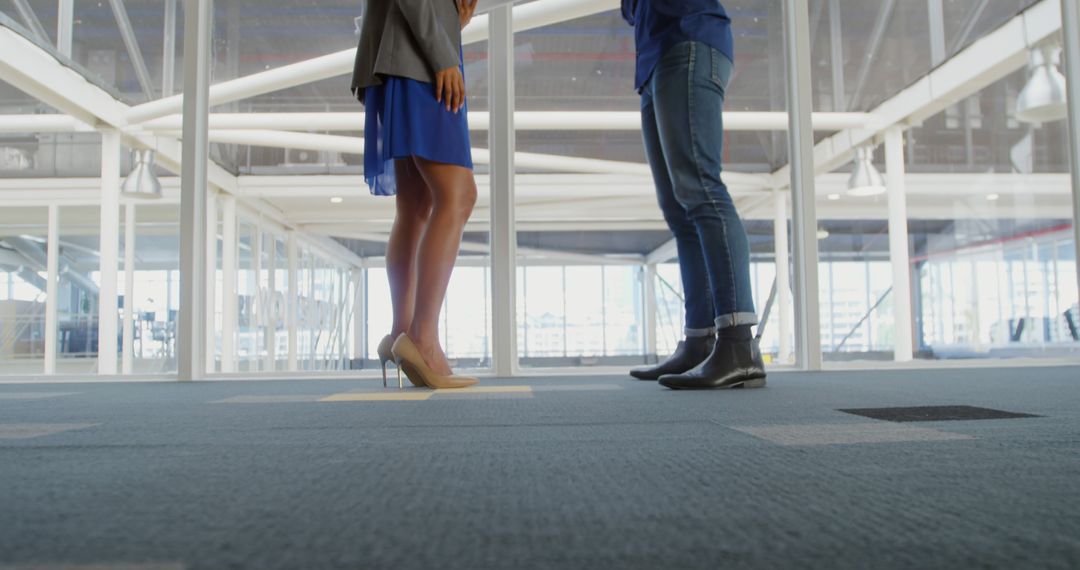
<point x="419" y="373"/>
<point x="385" y="357"/>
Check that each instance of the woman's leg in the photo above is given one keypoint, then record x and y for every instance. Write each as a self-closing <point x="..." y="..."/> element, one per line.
<point x="453" y="192"/>
<point x="413" y="213"/>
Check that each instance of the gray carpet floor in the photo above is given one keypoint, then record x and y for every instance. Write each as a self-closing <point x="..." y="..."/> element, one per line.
<point x="546" y="473"/>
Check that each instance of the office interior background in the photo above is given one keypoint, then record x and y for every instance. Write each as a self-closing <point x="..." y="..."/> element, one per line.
<point x="934" y="225"/>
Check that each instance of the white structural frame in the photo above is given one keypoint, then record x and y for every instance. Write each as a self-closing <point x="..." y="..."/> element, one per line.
<point x="127" y="350"/>
<point x="110" y="251"/>
<point x="899" y="251"/>
<point x="503" y="236"/>
<point x="88" y="107"/>
<point x="52" y="290"/>
<point x="804" y="215"/>
<point x="1070" y="13"/>
<point x="191" y="326"/>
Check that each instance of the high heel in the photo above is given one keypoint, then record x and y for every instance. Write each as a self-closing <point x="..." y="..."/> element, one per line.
<point x="386" y="356"/>
<point x="419" y="373"/>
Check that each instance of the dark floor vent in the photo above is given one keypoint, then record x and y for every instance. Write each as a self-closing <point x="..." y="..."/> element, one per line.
<point x="935" y="414"/>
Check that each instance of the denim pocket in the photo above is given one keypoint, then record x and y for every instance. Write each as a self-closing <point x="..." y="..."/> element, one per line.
<point x="721" y="69"/>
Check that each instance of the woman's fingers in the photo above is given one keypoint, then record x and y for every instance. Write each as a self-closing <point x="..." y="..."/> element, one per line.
<point x="459" y="96"/>
<point x="450" y="89"/>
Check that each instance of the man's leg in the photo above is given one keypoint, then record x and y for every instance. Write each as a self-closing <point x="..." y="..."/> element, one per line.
<point x="700" y="330"/>
<point x="689" y="100"/>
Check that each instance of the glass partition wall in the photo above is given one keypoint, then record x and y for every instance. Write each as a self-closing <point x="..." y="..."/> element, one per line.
<point x="944" y="222"/>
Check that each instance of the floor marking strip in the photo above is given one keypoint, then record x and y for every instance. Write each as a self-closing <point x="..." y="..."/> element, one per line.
<point x="410" y="396"/>
<point x="488" y="390"/>
<point x="289" y="399"/>
<point x="34" y="395"/>
<point x="843" y="434"/>
<point x="28" y="431"/>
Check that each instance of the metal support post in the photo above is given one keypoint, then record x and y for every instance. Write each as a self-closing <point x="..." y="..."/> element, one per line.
<point x="168" y="50"/>
<point x="229" y="269"/>
<point x="898" y="244"/>
<point x="783" y="276"/>
<point x="191" y="348"/>
<point x="211" y="281"/>
<point x="65" y="20"/>
<point x="804" y="207"/>
<point x="52" y="289"/>
<point x="1070" y="20"/>
<point x="110" y="251"/>
<point x="649" y="289"/>
<point x="291" y="320"/>
<point x="127" y="351"/>
<point x="503" y="235"/>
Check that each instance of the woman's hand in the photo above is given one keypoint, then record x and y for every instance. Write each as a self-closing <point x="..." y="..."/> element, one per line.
<point x="450" y="87"/>
<point x="466" y="9"/>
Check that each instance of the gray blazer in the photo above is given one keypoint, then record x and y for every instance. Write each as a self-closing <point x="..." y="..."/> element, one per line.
<point x="406" y="38"/>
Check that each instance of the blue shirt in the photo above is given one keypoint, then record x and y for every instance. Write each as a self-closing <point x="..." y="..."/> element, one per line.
<point x="661" y="24"/>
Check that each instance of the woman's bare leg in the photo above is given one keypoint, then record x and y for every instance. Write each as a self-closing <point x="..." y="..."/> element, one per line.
<point x="413" y="212"/>
<point x="453" y="192"/>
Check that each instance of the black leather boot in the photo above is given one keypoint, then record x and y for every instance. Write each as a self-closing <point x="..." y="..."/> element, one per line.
<point x="732" y="364"/>
<point x="688" y="354"/>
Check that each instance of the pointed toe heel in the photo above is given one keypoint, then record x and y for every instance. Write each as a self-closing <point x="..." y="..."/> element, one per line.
<point x="412" y="363"/>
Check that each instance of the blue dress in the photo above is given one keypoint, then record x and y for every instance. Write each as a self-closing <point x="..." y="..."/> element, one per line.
<point x="403" y="119"/>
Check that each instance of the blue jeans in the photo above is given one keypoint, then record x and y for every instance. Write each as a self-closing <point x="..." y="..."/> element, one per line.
<point x="682" y="120"/>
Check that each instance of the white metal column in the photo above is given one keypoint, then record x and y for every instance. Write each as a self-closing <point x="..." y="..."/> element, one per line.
<point x="65" y="19"/>
<point x="1070" y="24"/>
<point x="168" y="49"/>
<point x="898" y="244"/>
<point x="293" y="302"/>
<point x="649" y="292"/>
<point x="210" y="300"/>
<point x="229" y="269"/>
<point x="191" y="349"/>
<point x="127" y="351"/>
<point x="52" y="289"/>
<point x="804" y="207"/>
<point x="503" y="235"/>
<point x="257" y="310"/>
<point x="270" y="312"/>
<point x="110" y="251"/>
<point x="359" y="316"/>
<point x="783" y="275"/>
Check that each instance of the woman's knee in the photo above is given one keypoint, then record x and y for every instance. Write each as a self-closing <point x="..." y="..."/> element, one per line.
<point x="459" y="199"/>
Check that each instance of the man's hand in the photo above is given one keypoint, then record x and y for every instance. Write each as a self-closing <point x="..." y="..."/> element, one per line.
<point x="450" y="87"/>
<point x="466" y="9"/>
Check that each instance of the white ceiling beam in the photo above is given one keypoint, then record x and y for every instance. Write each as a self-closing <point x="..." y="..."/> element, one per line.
<point x="39" y="74"/>
<point x="523" y="252"/>
<point x="523" y="121"/>
<point x="36" y="72"/>
<point x="533" y="15"/>
<point x="42" y="124"/>
<point x="990" y="59"/>
<point x="524" y="160"/>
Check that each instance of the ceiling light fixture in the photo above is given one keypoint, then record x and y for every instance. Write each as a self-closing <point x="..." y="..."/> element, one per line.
<point x="141" y="181"/>
<point x="865" y="179"/>
<point x="834" y="197"/>
<point x="337" y="200"/>
<point x="992" y="197"/>
<point x="1044" y="98"/>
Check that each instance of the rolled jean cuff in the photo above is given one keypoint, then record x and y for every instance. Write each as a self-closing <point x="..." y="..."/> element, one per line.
<point x="698" y="333"/>
<point x="736" y="319"/>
